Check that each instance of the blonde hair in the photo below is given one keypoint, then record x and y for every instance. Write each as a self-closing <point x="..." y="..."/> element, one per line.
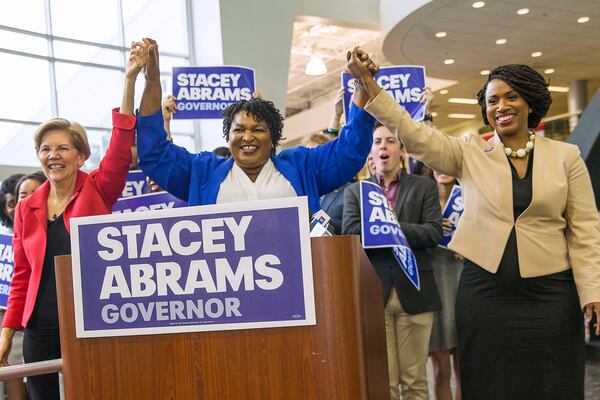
<point x="315" y="139"/>
<point x="75" y="131"/>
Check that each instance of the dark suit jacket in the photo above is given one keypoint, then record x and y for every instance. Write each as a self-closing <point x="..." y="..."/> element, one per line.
<point x="333" y="204"/>
<point x="418" y="211"/>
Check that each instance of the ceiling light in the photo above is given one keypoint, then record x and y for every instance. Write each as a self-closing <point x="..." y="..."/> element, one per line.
<point x="549" y="71"/>
<point x="559" y="89"/>
<point x="485" y="72"/>
<point x="444" y="91"/>
<point x="501" y="41"/>
<point x="536" y="54"/>
<point x="523" y="11"/>
<point x="459" y="100"/>
<point x="449" y="61"/>
<point x="478" y="4"/>
<point x="583" y="20"/>
<point x="462" y="116"/>
<point x="315" y="66"/>
<point x="441" y="34"/>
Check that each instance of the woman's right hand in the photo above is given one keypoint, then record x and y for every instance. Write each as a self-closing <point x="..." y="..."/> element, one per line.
<point x="6" y="338"/>
<point x="152" y="66"/>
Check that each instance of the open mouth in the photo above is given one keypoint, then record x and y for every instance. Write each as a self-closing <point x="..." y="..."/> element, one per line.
<point x="249" y="148"/>
<point x="384" y="157"/>
<point x="55" y="167"/>
<point x="505" y="118"/>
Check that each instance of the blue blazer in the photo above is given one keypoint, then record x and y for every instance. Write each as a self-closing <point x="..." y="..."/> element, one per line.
<point x="196" y="178"/>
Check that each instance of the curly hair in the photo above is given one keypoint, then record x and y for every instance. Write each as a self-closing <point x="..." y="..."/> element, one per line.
<point x="262" y="111"/>
<point x="7" y="187"/>
<point x="526" y="81"/>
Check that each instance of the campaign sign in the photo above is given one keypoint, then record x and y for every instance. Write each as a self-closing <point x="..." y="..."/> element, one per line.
<point x="148" y="202"/>
<point x="205" y="268"/>
<point x="380" y="228"/>
<point x="204" y="92"/>
<point x="405" y="83"/>
<point x="135" y="184"/>
<point x="452" y="212"/>
<point x="7" y="266"/>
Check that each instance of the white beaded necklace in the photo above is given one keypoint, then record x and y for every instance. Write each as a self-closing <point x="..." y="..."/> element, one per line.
<point x="520" y="153"/>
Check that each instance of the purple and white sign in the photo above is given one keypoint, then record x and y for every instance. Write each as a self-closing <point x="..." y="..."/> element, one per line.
<point x="452" y="212"/>
<point x="206" y="268"/>
<point x="405" y="83"/>
<point x="7" y="267"/>
<point x="380" y="228"/>
<point x="148" y="202"/>
<point x="204" y="92"/>
<point x="135" y="184"/>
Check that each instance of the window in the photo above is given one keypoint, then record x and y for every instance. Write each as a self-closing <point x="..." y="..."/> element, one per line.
<point x="67" y="58"/>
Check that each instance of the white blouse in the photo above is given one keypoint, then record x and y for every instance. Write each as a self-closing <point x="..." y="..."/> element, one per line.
<point x="269" y="184"/>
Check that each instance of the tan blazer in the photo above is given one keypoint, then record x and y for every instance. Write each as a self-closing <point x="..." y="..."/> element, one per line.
<point x="560" y="229"/>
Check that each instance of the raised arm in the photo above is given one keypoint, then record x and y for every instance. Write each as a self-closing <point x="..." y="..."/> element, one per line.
<point x="111" y="174"/>
<point x="424" y="143"/>
<point x="338" y="161"/>
<point x="168" y="109"/>
<point x="165" y="163"/>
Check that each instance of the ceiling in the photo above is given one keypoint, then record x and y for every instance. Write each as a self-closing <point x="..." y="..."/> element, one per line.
<point x="570" y="48"/>
<point x="330" y="43"/>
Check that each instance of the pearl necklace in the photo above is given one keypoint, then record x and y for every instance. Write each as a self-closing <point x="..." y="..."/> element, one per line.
<point x="520" y="153"/>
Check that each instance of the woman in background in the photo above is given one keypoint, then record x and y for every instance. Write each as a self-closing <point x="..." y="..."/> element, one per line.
<point x="28" y="184"/>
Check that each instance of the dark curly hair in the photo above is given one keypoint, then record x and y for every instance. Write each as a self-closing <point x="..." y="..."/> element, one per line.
<point x="526" y="81"/>
<point x="262" y="110"/>
<point x="7" y="187"/>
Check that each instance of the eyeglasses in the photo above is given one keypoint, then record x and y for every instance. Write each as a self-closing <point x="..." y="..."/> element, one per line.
<point x="61" y="150"/>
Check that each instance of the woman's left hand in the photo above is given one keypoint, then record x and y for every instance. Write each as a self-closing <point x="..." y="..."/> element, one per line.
<point x="593" y="308"/>
<point x="138" y="58"/>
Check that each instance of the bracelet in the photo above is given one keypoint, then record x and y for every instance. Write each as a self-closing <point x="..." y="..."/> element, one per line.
<point x="359" y="85"/>
<point x="428" y="117"/>
<point x="333" y="131"/>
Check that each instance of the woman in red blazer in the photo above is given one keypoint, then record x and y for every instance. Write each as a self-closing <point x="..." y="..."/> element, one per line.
<point x="42" y="224"/>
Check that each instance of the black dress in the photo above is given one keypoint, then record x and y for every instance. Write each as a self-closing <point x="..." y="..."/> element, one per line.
<point x="519" y="338"/>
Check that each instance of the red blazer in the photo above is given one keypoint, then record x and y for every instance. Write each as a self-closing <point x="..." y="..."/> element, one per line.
<point x="94" y="194"/>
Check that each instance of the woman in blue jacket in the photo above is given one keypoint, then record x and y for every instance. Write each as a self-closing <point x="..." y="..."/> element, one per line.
<point x="253" y="129"/>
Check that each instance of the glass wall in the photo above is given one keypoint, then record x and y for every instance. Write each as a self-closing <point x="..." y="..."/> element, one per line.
<point x="67" y="58"/>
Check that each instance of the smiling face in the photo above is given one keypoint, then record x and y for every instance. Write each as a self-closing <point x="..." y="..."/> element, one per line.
<point x="10" y="205"/>
<point x="387" y="151"/>
<point x="250" y="142"/>
<point x="58" y="156"/>
<point x="26" y="188"/>
<point x="506" y="111"/>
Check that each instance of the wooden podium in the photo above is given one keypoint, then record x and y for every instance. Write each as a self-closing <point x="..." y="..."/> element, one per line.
<point x="343" y="356"/>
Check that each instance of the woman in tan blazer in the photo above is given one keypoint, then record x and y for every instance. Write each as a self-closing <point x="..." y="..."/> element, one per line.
<point x="530" y="235"/>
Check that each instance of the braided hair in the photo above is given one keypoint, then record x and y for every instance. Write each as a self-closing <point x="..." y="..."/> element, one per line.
<point x="526" y="81"/>
<point x="262" y="111"/>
